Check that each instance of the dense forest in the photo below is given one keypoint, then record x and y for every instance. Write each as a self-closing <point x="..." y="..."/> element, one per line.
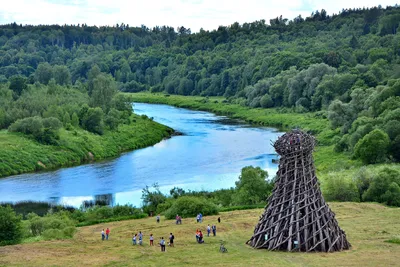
<point x="346" y="65"/>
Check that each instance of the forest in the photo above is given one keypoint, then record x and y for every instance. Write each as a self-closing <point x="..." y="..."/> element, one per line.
<point x="346" y="66"/>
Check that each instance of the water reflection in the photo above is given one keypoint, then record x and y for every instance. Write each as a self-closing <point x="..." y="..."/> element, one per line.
<point x="208" y="156"/>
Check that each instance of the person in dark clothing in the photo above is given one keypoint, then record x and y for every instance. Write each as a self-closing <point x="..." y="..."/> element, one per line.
<point x="219" y="219"/>
<point x="171" y="239"/>
<point x="201" y="237"/>
<point x="214" y="229"/>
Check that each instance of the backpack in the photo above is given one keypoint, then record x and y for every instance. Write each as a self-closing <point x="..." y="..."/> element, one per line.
<point x="162" y="242"/>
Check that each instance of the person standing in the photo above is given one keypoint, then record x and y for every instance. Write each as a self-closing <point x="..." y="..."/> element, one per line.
<point x="134" y="239"/>
<point x="171" y="239"/>
<point x="151" y="240"/>
<point x="107" y="233"/>
<point x="214" y="229"/>
<point x="208" y="230"/>
<point x="140" y="238"/>
<point x="103" y="235"/>
<point x="201" y="217"/>
<point x="158" y="218"/>
<point x="162" y="244"/>
<point x="219" y="219"/>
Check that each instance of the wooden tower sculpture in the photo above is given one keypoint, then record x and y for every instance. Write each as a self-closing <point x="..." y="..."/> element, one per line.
<point x="297" y="217"/>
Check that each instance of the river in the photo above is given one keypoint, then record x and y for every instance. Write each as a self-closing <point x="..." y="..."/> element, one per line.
<point x="208" y="156"/>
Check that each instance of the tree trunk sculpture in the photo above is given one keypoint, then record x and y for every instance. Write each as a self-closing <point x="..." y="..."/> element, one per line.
<point x="297" y="217"/>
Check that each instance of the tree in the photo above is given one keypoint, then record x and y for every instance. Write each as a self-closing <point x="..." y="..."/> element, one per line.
<point x="92" y="119"/>
<point x="252" y="187"/>
<point x="75" y="120"/>
<point x="44" y="73"/>
<point x="373" y="147"/>
<point x="62" y="75"/>
<point x="151" y="199"/>
<point x="266" y="101"/>
<point x="10" y="226"/>
<point x="18" y="84"/>
<point x="104" y="89"/>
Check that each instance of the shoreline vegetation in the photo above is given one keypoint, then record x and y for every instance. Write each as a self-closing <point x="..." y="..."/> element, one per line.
<point x="22" y="154"/>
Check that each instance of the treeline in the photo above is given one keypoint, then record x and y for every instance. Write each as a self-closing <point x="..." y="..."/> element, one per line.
<point x="346" y="64"/>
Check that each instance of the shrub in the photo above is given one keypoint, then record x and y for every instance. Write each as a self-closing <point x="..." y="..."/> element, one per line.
<point x="188" y="206"/>
<point x="52" y="226"/>
<point x="385" y="188"/>
<point x="373" y="147"/>
<point x="10" y="226"/>
<point x="340" y="189"/>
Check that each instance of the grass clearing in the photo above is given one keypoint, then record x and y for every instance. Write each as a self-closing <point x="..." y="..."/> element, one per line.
<point x="367" y="226"/>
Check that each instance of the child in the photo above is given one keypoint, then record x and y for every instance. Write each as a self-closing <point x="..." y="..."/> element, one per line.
<point x="162" y="244"/>
<point x="140" y="238"/>
<point x="134" y="239"/>
<point x="102" y="235"/>
<point x="151" y="240"/>
<point x="208" y="230"/>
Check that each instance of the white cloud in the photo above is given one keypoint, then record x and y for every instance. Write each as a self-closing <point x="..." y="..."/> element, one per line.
<point x="194" y="14"/>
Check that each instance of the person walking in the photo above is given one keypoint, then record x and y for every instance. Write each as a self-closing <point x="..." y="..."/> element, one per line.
<point x="208" y="230"/>
<point x="171" y="239"/>
<point x="151" y="240"/>
<point x="103" y="235"/>
<point x="214" y="229"/>
<point x="162" y="244"/>
<point x="107" y="233"/>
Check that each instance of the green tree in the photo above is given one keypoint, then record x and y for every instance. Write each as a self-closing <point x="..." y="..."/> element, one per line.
<point x="10" y="226"/>
<point x="44" y="73"/>
<point x="373" y="147"/>
<point x="383" y="187"/>
<point x="62" y="75"/>
<point x="104" y="89"/>
<point x="266" y="101"/>
<point x="18" y="84"/>
<point x="92" y="120"/>
<point x="252" y="186"/>
<point x="75" y="120"/>
<point x="151" y="199"/>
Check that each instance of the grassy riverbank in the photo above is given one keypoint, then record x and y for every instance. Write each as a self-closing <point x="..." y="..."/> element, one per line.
<point x="20" y="154"/>
<point x="367" y="226"/>
<point x="326" y="158"/>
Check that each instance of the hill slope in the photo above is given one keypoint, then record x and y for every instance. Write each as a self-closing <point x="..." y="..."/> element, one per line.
<point x="367" y="227"/>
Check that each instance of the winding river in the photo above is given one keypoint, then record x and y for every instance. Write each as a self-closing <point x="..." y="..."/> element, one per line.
<point x="208" y="156"/>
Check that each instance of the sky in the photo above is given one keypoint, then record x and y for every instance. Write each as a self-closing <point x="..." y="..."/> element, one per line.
<point x="193" y="14"/>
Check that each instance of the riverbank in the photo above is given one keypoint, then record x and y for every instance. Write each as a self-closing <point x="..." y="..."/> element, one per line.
<point x="21" y="154"/>
<point x="326" y="159"/>
<point x="367" y="225"/>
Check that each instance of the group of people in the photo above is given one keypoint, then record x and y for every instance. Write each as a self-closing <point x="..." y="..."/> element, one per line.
<point x="199" y="233"/>
<point x="138" y="239"/>
<point x="104" y="235"/>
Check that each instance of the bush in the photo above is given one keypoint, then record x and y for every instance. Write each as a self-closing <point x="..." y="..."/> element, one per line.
<point x="52" y="226"/>
<point x="340" y="189"/>
<point x="373" y="147"/>
<point x="188" y="206"/>
<point x="385" y="188"/>
<point x="10" y="226"/>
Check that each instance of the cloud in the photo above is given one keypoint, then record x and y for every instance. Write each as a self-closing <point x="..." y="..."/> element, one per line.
<point x="194" y="14"/>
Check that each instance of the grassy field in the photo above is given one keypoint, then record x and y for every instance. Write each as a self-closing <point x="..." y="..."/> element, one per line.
<point x="19" y="153"/>
<point x="367" y="225"/>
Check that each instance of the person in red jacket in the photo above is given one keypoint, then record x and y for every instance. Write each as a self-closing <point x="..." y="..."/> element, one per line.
<point x="107" y="233"/>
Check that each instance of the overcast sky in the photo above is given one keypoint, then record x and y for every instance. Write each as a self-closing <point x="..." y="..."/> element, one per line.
<point x="194" y="14"/>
